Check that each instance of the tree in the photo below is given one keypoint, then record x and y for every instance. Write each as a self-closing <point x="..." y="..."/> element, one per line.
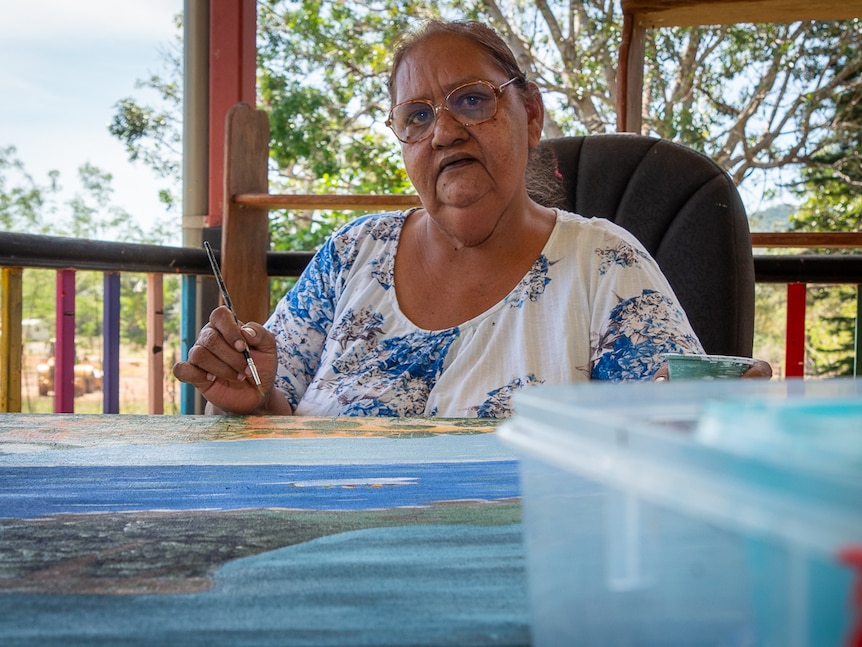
<point x="22" y="201"/>
<point x="152" y="134"/>
<point x="830" y="187"/>
<point x="322" y="81"/>
<point x="756" y="98"/>
<point x="831" y="182"/>
<point x="26" y="206"/>
<point x="753" y="97"/>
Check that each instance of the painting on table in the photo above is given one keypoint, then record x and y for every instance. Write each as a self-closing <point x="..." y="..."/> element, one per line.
<point x="258" y="530"/>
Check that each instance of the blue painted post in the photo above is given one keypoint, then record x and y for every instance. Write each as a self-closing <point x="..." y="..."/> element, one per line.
<point x="111" y="343"/>
<point x="188" y="321"/>
<point x="64" y="347"/>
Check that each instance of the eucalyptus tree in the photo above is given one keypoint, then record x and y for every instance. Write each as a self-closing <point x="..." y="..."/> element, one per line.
<point x="751" y="96"/>
<point x="831" y="193"/>
<point x="756" y="98"/>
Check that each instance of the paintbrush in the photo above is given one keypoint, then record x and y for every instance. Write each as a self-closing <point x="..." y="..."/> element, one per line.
<point x="226" y="298"/>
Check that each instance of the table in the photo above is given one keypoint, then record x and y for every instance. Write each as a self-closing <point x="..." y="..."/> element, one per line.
<point x="258" y="531"/>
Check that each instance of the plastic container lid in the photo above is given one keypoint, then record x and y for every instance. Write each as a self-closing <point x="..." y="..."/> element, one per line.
<point x="777" y="458"/>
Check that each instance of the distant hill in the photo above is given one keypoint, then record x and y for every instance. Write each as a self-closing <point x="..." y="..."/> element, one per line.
<point x="775" y="218"/>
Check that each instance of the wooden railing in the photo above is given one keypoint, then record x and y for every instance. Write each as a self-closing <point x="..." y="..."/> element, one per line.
<point x="299" y="202"/>
<point x="19" y="251"/>
<point x="799" y="271"/>
<point x="247" y="262"/>
<point x="796" y="271"/>
<point x="808" y="240"/>
<point x="67" y="256"/>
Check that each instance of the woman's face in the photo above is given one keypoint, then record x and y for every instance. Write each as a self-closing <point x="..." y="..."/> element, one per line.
<point x="468" y="178"/>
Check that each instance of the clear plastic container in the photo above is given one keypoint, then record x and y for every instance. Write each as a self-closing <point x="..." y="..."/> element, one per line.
<point x="692" y="513"/>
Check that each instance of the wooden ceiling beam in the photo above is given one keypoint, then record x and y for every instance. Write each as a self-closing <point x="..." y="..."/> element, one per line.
<point x="681" y="13"/>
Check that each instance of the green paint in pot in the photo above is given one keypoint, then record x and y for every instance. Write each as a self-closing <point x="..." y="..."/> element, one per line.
<point x="706" y="367"/>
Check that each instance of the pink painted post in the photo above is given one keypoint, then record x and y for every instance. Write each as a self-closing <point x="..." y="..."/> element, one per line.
<point x="64" y="347"/>
<point x="794" y="352"/>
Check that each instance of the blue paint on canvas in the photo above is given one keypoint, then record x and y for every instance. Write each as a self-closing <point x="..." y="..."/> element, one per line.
<point x="422" y="585"/>
<point x="27" y="492"/>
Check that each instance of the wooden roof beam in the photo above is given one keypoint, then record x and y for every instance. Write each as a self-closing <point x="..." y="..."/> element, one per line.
<point x="686" y="13"/>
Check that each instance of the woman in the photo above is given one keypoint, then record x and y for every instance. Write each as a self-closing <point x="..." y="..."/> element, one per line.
<point x="447" y="309"/>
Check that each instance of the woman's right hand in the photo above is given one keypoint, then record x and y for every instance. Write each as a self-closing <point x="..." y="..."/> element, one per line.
<point x="218" y="369"/>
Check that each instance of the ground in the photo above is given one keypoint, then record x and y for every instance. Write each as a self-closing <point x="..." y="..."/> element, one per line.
<point x="133" y="384"/>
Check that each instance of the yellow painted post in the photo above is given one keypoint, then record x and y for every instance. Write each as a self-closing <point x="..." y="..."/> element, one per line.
<point x="11" y="348"/>
<point x="155" y="344"/>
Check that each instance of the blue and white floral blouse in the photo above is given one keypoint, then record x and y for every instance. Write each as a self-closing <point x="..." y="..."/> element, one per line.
<point x="593" y="306"/>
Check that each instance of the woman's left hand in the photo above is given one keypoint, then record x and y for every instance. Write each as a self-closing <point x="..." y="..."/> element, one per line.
<point x="760" y="369"/>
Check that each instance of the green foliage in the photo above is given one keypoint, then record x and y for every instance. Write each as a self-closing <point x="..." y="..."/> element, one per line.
<point x="29" y="207"/>
<point x="322" y="81"/>
<point x="22" y="201"/>
<point x="833" y="202"/>
<point x="831" y="183"/>
<point x="830" y="330"/>
<point x="38" y="289"/>
<point x="753" y="97"/>
<point x="770" y="317"/>
<point x="152" y="134"/>
<point x="150" y="137"/>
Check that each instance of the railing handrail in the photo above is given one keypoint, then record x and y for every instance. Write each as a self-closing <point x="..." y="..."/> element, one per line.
<point x="60" y="252"/>
<point x="57" y="252"/>
<point x="808" y="239"/>
<point x="808" y="268"/>
<point x="63" y="253"/>
<point x="346" y="202"/>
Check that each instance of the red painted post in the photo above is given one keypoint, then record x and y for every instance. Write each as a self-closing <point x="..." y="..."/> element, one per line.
<point x="794" y="352"/>
<point x="233" y="70"/>
<point x="64" y="343"/>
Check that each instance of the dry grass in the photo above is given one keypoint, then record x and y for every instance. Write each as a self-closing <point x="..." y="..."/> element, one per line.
<point x="133" y="384"/>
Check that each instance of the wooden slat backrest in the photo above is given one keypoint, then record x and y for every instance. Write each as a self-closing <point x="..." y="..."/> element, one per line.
<point x="245" y="228"/>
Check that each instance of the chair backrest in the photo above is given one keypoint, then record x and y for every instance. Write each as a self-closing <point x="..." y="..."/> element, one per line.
<point x="685" y="210"/>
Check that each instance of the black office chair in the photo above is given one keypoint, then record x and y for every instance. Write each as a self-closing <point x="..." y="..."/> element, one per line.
<point x="685" y="210"/>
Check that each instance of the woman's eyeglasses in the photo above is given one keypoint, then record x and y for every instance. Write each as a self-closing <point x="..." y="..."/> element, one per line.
<point x="469" y="104"/>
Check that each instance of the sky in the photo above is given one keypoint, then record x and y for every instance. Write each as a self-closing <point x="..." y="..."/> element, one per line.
<point x="65" y="64"/>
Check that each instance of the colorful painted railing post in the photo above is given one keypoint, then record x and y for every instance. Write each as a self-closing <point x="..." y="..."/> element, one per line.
<point x="155" y="343"/>
<point x="11" y="349"/>
<point x="794" y="353"/>
<point x="111" y="343"/>
<point x="188" y="334"/>
<point x="64" y="347"/>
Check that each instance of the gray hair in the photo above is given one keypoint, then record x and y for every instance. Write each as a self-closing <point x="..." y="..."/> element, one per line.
<point x="482" y="35"/>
